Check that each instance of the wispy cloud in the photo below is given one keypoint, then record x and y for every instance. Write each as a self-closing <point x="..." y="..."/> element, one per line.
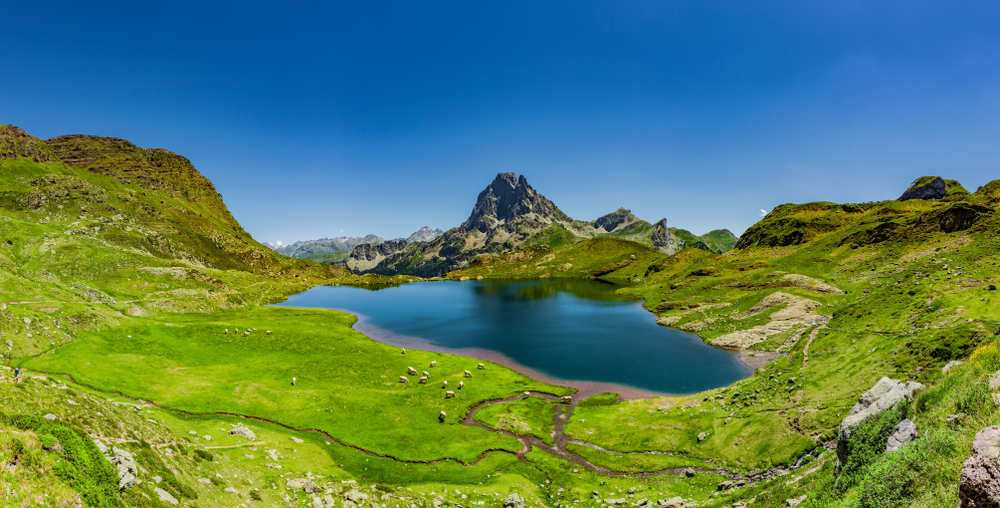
<point x="763" y="212"/>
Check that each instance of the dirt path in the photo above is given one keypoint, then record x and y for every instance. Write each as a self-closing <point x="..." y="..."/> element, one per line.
<point x="805" y="351"/>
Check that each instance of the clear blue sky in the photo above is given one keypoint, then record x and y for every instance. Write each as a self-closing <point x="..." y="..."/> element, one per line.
<point x="381" y="117"/>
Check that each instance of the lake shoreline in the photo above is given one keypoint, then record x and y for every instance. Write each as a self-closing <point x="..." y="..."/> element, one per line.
<point x="584" y="388"/>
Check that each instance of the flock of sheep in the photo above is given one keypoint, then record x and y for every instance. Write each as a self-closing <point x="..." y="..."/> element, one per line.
<point x="425" y="378"/>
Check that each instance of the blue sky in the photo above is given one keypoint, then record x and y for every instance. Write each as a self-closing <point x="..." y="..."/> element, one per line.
<point x="381" y="117"/>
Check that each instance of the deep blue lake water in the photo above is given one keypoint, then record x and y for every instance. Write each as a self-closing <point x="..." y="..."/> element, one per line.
<point x="563" y="329"/>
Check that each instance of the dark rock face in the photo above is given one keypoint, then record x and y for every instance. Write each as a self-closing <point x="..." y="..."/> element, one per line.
<point x="368" y="252"/>
<point x="611" y="221"/>
<point x="979" y="487"/>
<point x="659" y="237"/>
<point x="505" y="199"/>
<point x="925" y="188"/>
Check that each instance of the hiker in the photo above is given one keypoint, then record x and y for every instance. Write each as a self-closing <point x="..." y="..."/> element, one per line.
<point x="17" y="372"/>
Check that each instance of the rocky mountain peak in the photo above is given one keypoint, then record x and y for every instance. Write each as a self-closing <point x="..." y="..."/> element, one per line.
<point x="424" y="234"/>
<point x="507" y="198"/>
<point x="925" y="187"/>
<point x="615" y="219"/>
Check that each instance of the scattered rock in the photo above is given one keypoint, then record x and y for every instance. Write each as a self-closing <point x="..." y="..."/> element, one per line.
<point x="243" y="431"/>
<point x="513" y="501"/>
<point x="297" y="440"/>
<point x="674" y="502"/>
<point x="49" y="416"/>
<point x="230" y="490"/>
<point x="951" y="365"/>
<point x="978" y="487"/>
<point x="726" y="485"/>
<point x="689" y="472"/>
<point x="165" y="496"/>
<point x="127" y="468"/>
<point x="885" y="395"/>
<point x="355" y="496"/>
<point x="702" y="436"/>
<point x="795" y="501"/>
<point x="632" y="490"/>
<point x="301" y="483"/>
<point x="905" y="432"/>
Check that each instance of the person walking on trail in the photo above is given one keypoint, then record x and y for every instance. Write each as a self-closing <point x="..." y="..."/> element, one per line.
<point x="17" y="372"/>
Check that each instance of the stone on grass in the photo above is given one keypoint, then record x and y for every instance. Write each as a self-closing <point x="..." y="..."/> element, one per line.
<point x="301" y="483"/>
<point x="702" y="436"/>
<point x="726" y="485"/>
<point x="979" y="487"/>
<point x="689" y="472"/>
<point x="674" y="502"/>
<point x="230" y="490"/>
<point x="885" y="395"/>
<point x="513" y="501"/>
<point x="243" y="431"/>
<point x="165" y="496"/>
<point x="795" y="501"/>
<point x="355" y="496"/>
<point x="127" y="468"/>
<point x="951" y="365"/>
<point x="49" y="416"/>
<point x="904" y="432"/>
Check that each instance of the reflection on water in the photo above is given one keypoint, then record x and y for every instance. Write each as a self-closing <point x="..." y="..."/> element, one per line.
<point x="570" y="329"/>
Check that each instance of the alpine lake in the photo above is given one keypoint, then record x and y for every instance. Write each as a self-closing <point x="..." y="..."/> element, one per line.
<point x="573" y="332"/>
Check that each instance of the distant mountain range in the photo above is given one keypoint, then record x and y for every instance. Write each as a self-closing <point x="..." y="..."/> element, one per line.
<point x="338" y="249"/>
<point x="509" y="214"/>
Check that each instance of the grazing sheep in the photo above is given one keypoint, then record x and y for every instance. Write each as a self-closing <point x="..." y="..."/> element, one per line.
<point x="434" y="364"/>
<point x="567" y="399"/>
<point x="445" y="385"/>
<point x="428" y="374"/>
<point x="404" y="351"/>
<point x="468" y="374"/>
<point x="423" y="379"/>
<point x="449" y="394"/>
<point x="227" y="331"/>
<point x="441" y="416"/>
<point x="246" y="334"/>
<point x="237" y="330"/>
<point x="269" y="332"/>
<point x="461" y="384"/>
<point x="411" y="371"/>
<point x="293" y="381"/>
<point x="481" y="367"/>
<point x="403" y="379"/>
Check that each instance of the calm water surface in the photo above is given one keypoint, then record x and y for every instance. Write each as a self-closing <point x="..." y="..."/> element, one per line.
<point x="564" y="329"/>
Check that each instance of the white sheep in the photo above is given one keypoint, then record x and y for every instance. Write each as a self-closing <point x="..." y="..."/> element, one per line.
<point x="434" y="364"/>
<point x="441" y="416"/>
<point x="449" y="394"/>
<point x="423" y="379"/>
<point x="404" y="351"/>
<point x="293" y="381"/>
<point x="482" y="367"/>
<point x="227" y="331"/>
<point x="403" y="379"/>
<point x="461" y="384"/>
<point x="411" y="371"/>
<point x="445" y="385"/>
<point x="468" y="374"/>
<point x="428" y="374"/>
<point x="269" y="332"/>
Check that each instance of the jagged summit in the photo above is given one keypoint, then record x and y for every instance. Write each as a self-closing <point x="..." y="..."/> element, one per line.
<point x="507" y="198"/>
<point x="424" y="234"/>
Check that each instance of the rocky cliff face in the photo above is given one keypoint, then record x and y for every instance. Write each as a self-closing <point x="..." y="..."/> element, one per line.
<point x="927" y="187"/>
<point x="424" y="234"/>
<point x="508" y="198"/>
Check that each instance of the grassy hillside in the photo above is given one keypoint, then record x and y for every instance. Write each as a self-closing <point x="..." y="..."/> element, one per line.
<point x="123" y="279"/>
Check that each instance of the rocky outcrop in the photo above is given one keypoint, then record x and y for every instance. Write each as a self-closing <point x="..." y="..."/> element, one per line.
<point x="424" y="234"/>
<point x="797" y="311"/>
<point x="885" y="395"/>
<point x="612" y="221"/>
<point x="165" y="496"/>
<point x="128" y="470"/>
<point x="303" y="483"/>
<point x="369" y="252"/>
<point x="513" y="501"/>
<point x="904" y="433"/>
<point x="925" y="187"/>
<point x="507" y="198"/>
<point x="979" y="486"/>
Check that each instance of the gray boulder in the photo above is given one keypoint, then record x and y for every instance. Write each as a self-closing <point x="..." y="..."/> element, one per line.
<point x="885" y="395"/>
<point x="243" y="431"/>
<point x="513" y="501"/>
<point x="674" y="502"/>
<point x="905" y="432"/>
<point x="165" y="496"/>
<point x="301" y="483"/>
<point x="979" y="487"/>
<point x="950" y="365"/>
<point x="127" y="468"/>
<point x="355" y="496"/>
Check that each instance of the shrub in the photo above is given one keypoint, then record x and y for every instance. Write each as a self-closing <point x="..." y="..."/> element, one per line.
<point x="203" y="455"/>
